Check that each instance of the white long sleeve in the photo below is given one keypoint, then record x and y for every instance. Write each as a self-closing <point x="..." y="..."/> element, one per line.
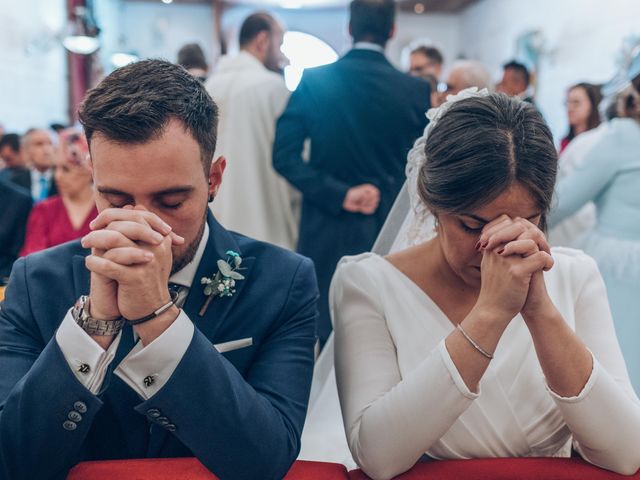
<point x="605" y="417"/>
<point x="147" y="369"/>
<point x="402" y="396"/>
<point x="88" y="360"/>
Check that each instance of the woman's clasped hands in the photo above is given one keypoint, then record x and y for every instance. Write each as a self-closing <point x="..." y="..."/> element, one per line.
<point x="515" y="253"/>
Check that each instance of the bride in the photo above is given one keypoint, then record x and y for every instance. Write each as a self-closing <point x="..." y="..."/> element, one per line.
<point x="477" y="340"/>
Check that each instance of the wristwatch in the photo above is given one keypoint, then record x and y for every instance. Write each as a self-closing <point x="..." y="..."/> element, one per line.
<point x="93" y="326"/>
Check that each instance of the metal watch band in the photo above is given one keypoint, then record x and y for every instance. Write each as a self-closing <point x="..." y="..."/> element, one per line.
<point x="160" y="311"/>
<point x="93" y="326"/>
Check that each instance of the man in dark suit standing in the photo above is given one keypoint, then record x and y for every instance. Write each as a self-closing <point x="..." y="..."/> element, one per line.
<point x="15" y="205"/>
<point x="362" y="117"/>
<point x="215" y="365"/>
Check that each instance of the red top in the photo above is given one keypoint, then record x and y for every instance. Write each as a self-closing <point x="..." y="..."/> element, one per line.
<point x="49" y="225"/>
<point x="563" y="144"/>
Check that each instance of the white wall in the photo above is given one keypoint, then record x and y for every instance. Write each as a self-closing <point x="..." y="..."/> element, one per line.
<point x="583" y="38"/>
<point x="33" y="80"/>
<point x="156" y="30"/>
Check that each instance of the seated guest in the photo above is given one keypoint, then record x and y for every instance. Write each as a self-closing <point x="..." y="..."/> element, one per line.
<point x="15" y="167"/>
<point x="217" y="365"/>
<point x="15" y="204"/>
<point x="481" y="341"/>
<point x="66" y="216"/>
<point x="37" y="150"/>
<point x="582" y="110"/>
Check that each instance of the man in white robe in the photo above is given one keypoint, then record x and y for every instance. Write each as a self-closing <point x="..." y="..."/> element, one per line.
<point x="254" y="200"/>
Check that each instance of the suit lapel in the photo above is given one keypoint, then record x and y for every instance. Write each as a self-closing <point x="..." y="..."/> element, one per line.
<point x="219" y="243"/>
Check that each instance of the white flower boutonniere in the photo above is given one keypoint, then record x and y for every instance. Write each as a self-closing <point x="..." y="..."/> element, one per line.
<point x="223" y="283"/>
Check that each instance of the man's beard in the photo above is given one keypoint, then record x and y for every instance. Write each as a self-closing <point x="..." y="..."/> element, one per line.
<point x="180" y="262"/>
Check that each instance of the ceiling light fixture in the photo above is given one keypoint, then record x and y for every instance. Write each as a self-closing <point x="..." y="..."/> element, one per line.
<point x="81" y="35"/>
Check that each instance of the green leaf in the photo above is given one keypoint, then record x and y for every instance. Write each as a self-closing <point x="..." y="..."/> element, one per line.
<point x="236" y="276"/>
<point x="225" y="268"/>
<point x="208" y="290"/>
<point x="237" y="261"/>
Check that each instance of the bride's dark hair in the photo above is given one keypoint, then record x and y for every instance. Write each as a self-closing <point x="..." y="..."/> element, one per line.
<point x="480" y="147"/>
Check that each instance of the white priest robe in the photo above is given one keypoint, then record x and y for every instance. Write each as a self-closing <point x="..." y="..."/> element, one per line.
<point x="253" y="199"/>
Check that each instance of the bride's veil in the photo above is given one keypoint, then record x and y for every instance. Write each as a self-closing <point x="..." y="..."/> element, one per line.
<point x="408" y="223"/>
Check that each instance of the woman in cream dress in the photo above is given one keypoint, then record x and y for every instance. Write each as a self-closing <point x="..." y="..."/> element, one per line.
<point x="481" y="342"/>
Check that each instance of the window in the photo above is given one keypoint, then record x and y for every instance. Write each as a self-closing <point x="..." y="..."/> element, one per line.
<point x="304" y="51"/>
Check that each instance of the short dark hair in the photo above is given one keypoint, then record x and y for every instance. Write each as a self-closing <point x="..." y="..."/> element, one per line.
<point x="520" y="69"/>
<point x="253" y="25"/>
<point x="431" y="53"/>
<point x="482" y="146"/>
<point x="594" y="94"/>
<point x="134" y="104"/>
<point x="192" y="56"/>
<point x="372" y="20"/>
<point x="12" y="140"/>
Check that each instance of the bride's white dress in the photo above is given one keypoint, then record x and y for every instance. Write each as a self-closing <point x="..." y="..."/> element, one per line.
<point x="403" y="396"/>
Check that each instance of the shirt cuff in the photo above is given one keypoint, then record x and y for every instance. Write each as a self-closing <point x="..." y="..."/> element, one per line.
<point x="593" y="378"/>
<point x="147" y="369"/>
<point x="455" y="374"/>
<point x="88" y="360"/>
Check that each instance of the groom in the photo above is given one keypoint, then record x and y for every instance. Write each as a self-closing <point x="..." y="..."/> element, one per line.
<point x="101" y="358"/>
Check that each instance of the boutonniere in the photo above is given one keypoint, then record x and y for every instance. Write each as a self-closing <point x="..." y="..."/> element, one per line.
<point x="223" y="283"/>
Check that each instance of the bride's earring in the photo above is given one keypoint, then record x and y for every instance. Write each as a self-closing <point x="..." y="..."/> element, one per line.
<point x="435" y="225"/>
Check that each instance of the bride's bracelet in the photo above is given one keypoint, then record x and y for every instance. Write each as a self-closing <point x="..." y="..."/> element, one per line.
<point x="475" y="345"/>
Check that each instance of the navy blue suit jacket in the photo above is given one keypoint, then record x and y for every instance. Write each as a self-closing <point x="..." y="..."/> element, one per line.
<point x="362" y="117"/>
<point x="240" y="413"/>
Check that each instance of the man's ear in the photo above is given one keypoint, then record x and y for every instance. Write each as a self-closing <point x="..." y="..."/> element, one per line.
<point x="392" y="32"/>
<point x="263" y="43"/>
<point x="215" y="175"/>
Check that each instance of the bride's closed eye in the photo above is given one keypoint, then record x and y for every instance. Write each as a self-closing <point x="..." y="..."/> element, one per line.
<point x="475" y="229"/>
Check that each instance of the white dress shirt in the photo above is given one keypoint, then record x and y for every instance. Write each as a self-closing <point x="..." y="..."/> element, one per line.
<point x="402" y="395"/>
<point x="157" y="360"/>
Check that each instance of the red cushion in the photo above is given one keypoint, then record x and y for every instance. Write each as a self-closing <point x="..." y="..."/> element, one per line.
<point x="505" y="469"/>
<point x="188" y="469"/>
